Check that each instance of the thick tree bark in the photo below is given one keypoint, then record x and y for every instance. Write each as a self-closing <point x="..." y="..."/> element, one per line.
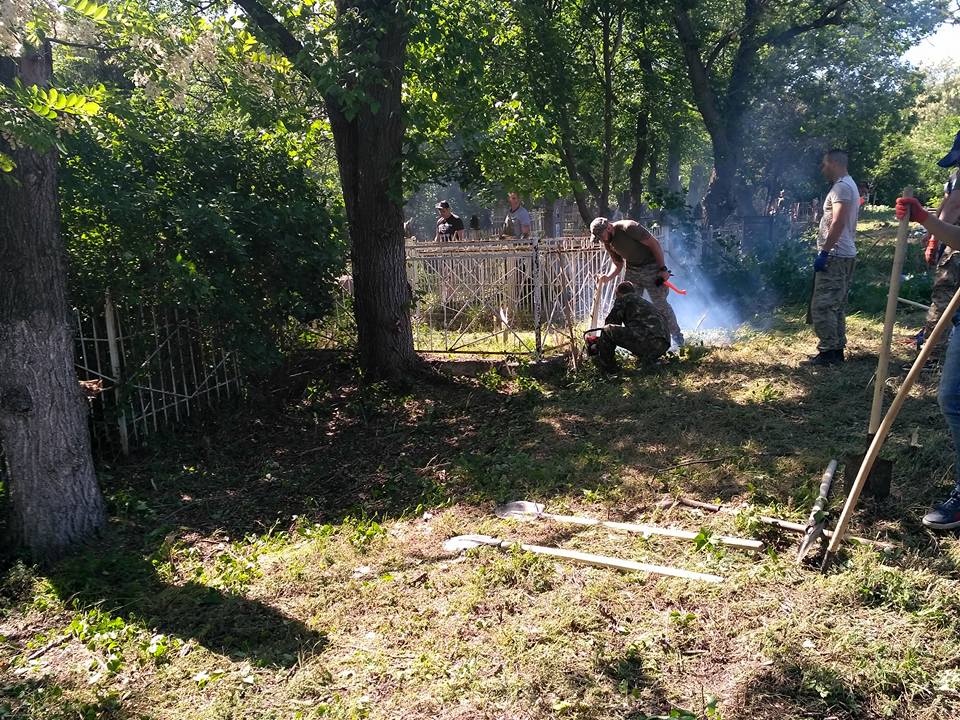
<point x="369" y="153"/>
<point x="369" y="143"/>
<point x="54" y="499"/>
<point x="653" y="172"/>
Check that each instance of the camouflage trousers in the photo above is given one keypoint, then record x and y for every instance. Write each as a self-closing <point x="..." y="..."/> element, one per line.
<point x="645" y="278"/>
<point x="945" y="284"/>
<point x="829" y="304"/>
<point x="647" y="347"/>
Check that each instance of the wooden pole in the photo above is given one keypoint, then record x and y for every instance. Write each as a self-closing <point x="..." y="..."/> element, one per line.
<point x="742" y="543"/>
<point x="567" y="302"/>
<point x="890" y="319"/>
<point x="615" y="563"/>
<point x="884" y="429"/>
<point x="113" y="347"/>
<point x="911" y="303"/>
<point x="595" y="311"/>
<point x="780" y="523"/>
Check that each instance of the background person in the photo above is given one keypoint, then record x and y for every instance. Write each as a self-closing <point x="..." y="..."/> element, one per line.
<point x="628" y="242"/>
<point x="835" y="261"/>
<point x="449" y="226"/>
<point x="945" y="515"/>
<point x="517" y="222"/>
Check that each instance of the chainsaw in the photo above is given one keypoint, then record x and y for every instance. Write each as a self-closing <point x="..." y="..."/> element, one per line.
<point x="591" y="338"/>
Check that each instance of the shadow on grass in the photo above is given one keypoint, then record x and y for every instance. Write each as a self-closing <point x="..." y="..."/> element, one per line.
<point x="333" y="449"/>
<point x="125" y="584"/>
<point x="799" y="688"/>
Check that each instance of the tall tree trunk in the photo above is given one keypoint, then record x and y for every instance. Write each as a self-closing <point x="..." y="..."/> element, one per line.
<point x="369" y="150"/>
<point x="576" y="183"/>
<point x="699" y="176"/>
<point x="639" y="162"/>
<point x="718" y="201"/>
<point x="55" y="502"/>
<point x="653" y="173"/>
<point x="369" y="141"/>
<point x="674" y="150"/>
<point x="607" y="50"/>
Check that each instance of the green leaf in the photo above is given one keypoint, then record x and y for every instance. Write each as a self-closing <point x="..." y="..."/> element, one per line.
<point x="91" y="108"/>
<point x="101" y="13"/>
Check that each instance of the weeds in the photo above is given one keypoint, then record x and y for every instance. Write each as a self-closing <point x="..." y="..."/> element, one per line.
<point x="348" y="609"/>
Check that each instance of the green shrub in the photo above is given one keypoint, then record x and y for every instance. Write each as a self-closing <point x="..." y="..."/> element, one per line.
<point x="175" y="212"/>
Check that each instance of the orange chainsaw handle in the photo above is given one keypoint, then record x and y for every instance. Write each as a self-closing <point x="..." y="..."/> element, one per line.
<point x="673" y="287"/>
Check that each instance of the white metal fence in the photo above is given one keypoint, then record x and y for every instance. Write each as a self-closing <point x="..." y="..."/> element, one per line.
<point x="510" y="296"/>
<point x="146" y="367"/>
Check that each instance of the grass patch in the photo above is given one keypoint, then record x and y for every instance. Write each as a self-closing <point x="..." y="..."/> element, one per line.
<point x="287" y="562"/>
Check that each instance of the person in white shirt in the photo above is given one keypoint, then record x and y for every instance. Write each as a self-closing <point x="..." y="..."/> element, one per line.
<point x="836" y="258"/>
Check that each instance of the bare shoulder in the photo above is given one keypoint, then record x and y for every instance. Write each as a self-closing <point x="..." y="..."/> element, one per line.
<point x="632" y="227"/>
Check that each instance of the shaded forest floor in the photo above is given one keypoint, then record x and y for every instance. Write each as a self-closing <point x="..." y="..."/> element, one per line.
<point x="286" y="561"/>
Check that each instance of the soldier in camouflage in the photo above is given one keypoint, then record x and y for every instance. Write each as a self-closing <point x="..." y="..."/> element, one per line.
<point x="945" y="259"/>
<point x="635" y="324"/>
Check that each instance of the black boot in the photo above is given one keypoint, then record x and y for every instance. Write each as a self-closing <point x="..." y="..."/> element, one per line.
<point x="824" y="357"/>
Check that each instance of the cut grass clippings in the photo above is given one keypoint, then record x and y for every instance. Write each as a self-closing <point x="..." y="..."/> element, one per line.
<point x="287" y="562"/>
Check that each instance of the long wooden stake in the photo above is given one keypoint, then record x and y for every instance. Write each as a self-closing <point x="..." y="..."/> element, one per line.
<point x="466" y="542"/>
<point x="616" y="563"/>
<point x="643" y="529"/>
<point x="780" y="523"/>
<point x="880" y="383"/>
<point x="567" y="299"/>
<point x="885" y="426"/>
<point x="911" y="303"/>
<point x="595" y="311"/>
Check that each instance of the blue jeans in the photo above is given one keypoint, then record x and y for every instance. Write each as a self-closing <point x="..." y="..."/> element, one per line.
<point x="949" y="393"/>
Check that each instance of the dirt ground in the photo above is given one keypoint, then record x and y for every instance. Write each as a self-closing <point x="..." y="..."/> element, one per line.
<point x="285" y="560"/>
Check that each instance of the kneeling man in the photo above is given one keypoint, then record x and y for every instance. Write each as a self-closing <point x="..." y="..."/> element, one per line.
<point x="634" y="324"/>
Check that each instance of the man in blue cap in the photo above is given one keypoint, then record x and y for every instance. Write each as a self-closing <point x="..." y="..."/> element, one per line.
<point x="945" y="259"/>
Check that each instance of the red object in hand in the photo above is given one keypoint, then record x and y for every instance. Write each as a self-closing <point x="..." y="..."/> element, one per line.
<point x="673" y="287"/>
<point x="930" y="254"/>
<point x="913" y="207"/>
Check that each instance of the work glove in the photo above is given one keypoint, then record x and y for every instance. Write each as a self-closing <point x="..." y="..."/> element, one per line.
<point x="931" y="251"/>
<point x="820" y="264"/>
<point x="913" y="207"/>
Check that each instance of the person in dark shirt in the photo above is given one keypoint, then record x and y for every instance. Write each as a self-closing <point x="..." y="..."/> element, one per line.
<point x="449" y="226"/>
<point x="635" y="324"/>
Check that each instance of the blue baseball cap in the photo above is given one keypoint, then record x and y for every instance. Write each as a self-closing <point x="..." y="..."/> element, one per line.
<point x="953" y="157"/>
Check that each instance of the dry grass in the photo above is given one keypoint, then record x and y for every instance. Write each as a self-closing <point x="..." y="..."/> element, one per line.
<point x="289" y="564"/>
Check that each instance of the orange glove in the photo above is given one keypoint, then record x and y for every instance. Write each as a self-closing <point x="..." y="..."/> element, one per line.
<point x="911" y="207"/>
<point x="931" y="252"/>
